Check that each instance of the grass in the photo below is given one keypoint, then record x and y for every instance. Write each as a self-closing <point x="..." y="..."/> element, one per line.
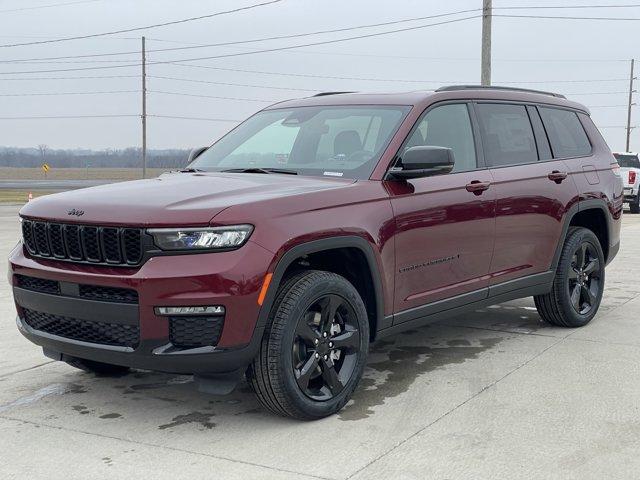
<point x="19" y="196"/>
<point x="14" y="173"/>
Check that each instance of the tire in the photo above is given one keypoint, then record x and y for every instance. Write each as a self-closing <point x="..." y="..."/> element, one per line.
<point x="299" y="371"/>
<point x="98" y="368"/>
<point x="579" y="282"/>
<point x="634" y="207"/>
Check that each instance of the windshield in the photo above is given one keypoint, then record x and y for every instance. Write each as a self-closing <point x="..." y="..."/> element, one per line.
<point x="627" y="161"/>
<point x="339" y="141"/>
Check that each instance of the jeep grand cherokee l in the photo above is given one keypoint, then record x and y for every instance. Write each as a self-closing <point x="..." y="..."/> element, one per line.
<point x="318" y="226"/>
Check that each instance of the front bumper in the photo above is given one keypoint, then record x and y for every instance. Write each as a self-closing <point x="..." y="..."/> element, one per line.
<point x="231" y="279"/>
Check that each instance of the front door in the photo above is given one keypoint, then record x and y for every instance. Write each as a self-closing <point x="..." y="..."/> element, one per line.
<point x="445" y="223"/>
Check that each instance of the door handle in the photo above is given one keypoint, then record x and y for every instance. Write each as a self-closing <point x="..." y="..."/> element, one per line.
<point x="477" y="187"/>
<point x="557" y="176"/>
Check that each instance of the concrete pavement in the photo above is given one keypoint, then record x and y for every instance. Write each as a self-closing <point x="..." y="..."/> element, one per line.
<point x="492" y="394"/>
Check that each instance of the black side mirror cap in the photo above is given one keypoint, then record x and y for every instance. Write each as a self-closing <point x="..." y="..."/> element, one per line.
<point x="424" y="161"/>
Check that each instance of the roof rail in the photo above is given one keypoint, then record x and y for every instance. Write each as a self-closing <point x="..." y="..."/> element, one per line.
<point x="324" y="94"/>
<point x="451" y="88"/>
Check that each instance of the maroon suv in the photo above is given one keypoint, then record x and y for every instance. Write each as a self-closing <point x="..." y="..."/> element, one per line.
<point x="318" y="226"/>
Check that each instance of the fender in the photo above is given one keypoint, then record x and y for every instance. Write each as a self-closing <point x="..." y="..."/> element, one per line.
<point x="575" y="208"/>
<point x="346" y="241"/>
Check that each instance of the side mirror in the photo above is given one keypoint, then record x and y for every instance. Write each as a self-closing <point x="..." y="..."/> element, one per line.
<point x="424" y="161"/>
<point x="195" y="153"/>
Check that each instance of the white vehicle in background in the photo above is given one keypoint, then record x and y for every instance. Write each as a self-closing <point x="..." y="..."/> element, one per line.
<point x="630" y="171"/>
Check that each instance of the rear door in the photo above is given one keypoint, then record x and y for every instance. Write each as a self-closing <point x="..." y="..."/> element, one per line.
<point x="533" y="192"/>
<point x="444" y="223"/>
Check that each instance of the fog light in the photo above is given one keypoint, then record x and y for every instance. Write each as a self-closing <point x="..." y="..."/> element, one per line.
<point x="207" y="310"/>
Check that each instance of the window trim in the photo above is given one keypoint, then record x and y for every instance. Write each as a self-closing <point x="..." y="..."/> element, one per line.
<point x="539" y="132"/>
<point x="475" y="132"/>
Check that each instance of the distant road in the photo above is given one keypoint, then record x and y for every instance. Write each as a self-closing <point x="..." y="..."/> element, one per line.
<point x="50" y="184"/>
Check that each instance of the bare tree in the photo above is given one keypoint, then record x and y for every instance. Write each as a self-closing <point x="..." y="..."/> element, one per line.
<point x="42" y="148"/>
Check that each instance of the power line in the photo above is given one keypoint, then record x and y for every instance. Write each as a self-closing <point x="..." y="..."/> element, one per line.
<point x="196" y="118"/>
<point x="65" y="93"/>
<point x="213" y="96"/>
<point x="254" y="40"/>
<point x="311" y="75"/>
<point x="68" y="116"/>
<point x="48" y="6"/>
<point x="191" y="80"/>
<point x="114" y="32"/>
<point x="325" y="42"/>
<point x="554" y="17"/>
<point x="549" y="7"/>
<point x="24" y="79"/>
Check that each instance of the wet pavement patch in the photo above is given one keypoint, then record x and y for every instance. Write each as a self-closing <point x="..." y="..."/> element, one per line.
<point x="81" y="409"/>
<point x="110" y="415"/>
<point x="53" y="389"/>
<point x="203" y="419"/>
<point x="392" y="369"/>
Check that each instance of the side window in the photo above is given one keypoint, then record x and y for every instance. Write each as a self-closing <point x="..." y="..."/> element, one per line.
<point x="565" y="132"/>
<point x="507" y="136"/>
<point x="448" y="126"/>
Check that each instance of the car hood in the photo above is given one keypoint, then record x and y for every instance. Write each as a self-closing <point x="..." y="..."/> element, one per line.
<point x="172" y="199"/>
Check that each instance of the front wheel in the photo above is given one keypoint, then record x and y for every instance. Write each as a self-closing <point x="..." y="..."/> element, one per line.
<point x="314" y="349"/>
<point x="578" y="284"/>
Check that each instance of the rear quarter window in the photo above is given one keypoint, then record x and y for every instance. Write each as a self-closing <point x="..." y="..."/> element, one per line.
<point x="565" y="132"/>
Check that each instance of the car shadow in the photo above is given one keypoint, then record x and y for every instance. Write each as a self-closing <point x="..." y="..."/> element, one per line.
<point x="394" y="364"/>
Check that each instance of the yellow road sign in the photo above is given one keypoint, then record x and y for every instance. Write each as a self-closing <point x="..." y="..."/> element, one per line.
<point x="45" y="167"/>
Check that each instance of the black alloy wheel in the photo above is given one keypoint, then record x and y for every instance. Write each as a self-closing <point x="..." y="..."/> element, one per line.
<point x="578" y="283"/>
<point x="325" y="347"/>
<point x="584" y="278"/>
<point x="314" y="348"/>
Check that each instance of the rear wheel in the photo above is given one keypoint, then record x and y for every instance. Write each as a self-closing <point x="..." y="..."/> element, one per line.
<point x="634" y="206"/>
<point x="99" y="368"/>
<point x="314" y="350"/>
<point x="578" y="284"/>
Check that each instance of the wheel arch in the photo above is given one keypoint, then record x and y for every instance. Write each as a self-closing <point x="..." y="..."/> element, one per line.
<point x="323" y="253"/>
<point x="592" y="214"/>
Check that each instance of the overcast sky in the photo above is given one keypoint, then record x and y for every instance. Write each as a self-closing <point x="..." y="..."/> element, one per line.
<point x="586" y="60"/>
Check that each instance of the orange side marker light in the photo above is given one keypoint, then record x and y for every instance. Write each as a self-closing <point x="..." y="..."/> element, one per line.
<point x="265" y="287"/>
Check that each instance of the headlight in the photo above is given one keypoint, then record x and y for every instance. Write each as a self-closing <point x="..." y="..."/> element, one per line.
<point x="201" y="238"/>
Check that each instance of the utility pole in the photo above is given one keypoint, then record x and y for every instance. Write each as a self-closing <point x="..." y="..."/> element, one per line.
<point x="144" y="111"/>
<point x="485" y="75"/>
<point x="631" y="91"/>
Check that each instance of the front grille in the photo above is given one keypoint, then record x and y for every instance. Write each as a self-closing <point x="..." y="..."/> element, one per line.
<point x="193" y="332"/>
<point x="108" y="294"/>
<point x="38" y="284"/>
<point x="75" y="329"/>
<point x="83" y="243"/>
<point x="88" y="292"/>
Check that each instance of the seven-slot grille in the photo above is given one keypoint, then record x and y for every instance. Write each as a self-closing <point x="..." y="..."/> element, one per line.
<point x="83" y="243"/>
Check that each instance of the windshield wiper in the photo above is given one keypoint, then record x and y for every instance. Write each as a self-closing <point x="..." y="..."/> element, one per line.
<point x="190" y="170"/>
<point x="260" y="170"/>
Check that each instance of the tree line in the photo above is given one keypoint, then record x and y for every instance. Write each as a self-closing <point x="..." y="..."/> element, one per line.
<point x="80" y="158"/>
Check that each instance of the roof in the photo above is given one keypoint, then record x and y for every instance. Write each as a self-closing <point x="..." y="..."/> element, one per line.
<point x="423" y="98"/>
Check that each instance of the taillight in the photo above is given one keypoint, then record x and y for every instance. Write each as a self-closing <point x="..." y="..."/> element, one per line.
<point x="615" y="168"/>
<point x="632" y="177"/>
